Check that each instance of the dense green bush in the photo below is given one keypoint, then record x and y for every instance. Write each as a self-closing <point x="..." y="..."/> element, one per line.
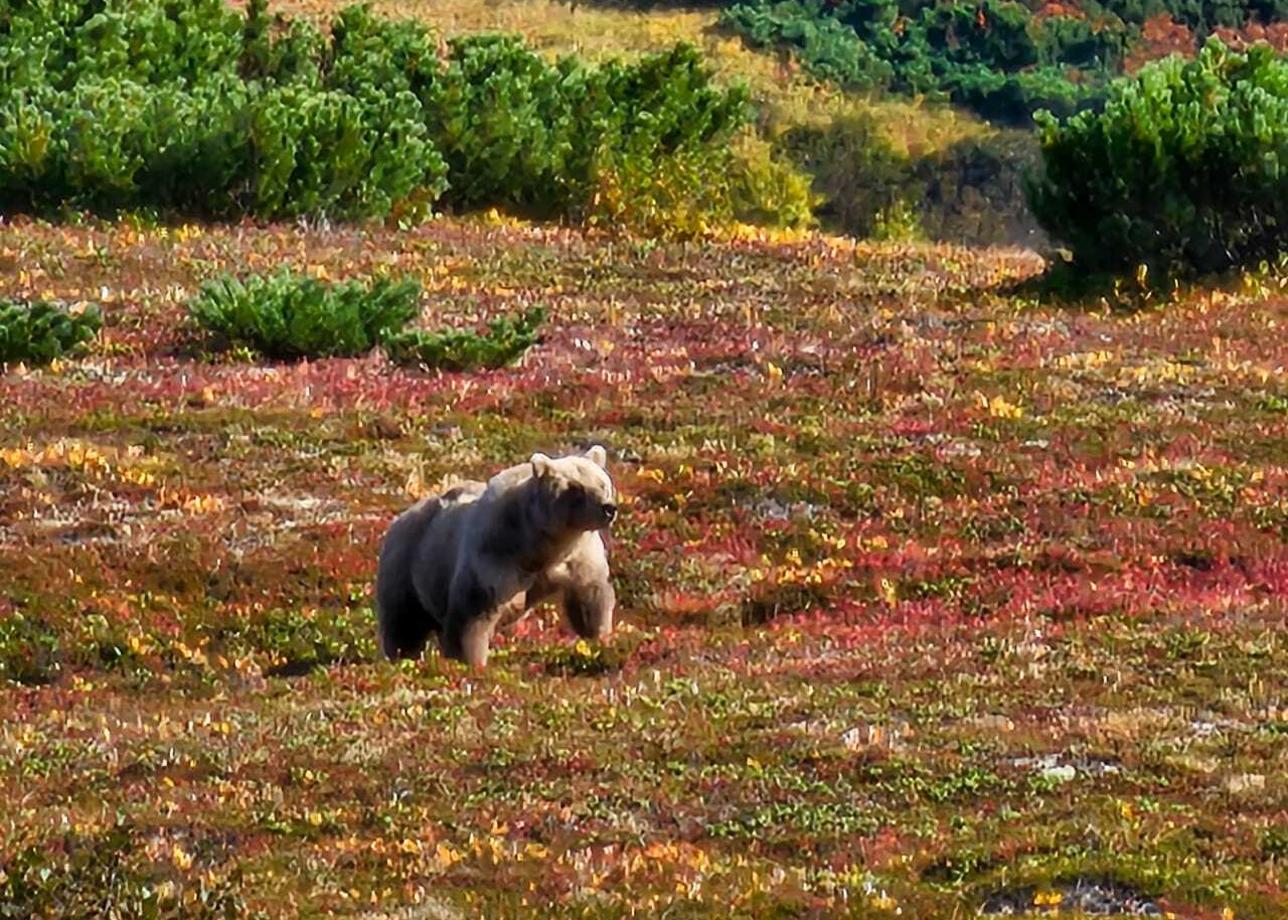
<point x="995" y="57"/>
<point x="538" y="138"/>
<point x="1185" y="170"/>
<point x="131" y="103"/>
<point x="504" y="341"/>
<point x="37" y="333"/>
<point x="289" y="316"/>
<point x="112" y="104"/>
<point x="831" y="49"/>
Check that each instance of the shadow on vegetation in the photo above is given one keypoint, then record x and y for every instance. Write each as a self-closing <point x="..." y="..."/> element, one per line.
<point x="971" y="191"/>
<point x="1089" y="895"/>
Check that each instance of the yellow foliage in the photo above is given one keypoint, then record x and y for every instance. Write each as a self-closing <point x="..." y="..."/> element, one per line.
<point x="998" y="407"/>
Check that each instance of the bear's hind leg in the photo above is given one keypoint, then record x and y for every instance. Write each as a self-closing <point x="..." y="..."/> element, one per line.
<point x="405" y="627"/>
<point x="403" y="624"/>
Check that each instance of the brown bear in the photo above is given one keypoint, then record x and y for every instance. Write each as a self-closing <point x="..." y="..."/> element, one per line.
<point x="457" y="564"/>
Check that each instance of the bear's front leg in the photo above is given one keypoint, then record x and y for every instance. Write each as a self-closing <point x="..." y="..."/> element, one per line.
<point x="589" y="608"/>
<point x="585" y="589"/>
<point x="470" y="641"/>
<point x="472" y="615"/>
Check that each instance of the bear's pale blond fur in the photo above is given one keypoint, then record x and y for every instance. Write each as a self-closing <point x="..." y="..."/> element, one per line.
<point x="457" y="565"/>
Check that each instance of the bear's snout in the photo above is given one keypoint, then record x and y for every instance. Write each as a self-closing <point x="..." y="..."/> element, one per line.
<point x="609" y="511"/>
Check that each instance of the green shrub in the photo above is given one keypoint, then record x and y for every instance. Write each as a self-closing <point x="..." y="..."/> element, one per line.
<point x="146" y="103"/>
<point x="832" y="50"/>
<point x="768" y="188"/>
<point x="1185" y="171"/>
<point x="544" y="139"/>
<point x="993" y="56"/>
<point x="504" y="341"/>
<point x="505" y="121"/>
<point x="37" y="333"/>
<point x="681" y="197"/>
<point x="196" y="108"/>
<point x="538" y="139"/>
<point x="288" y="316"/>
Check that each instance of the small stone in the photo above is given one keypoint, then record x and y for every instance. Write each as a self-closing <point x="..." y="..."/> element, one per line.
<point x="1244" y="783"/>
<point x="1096" y="897"/>
<point x="1061" y="774"/>
<point x="993" y="722"/>
<point x="868" y="735"/>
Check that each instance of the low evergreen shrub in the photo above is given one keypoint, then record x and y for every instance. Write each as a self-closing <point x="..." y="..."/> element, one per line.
<point x="1184" y="172"/>
<point x="288" y="316"/>
<point x="38" y="332"/>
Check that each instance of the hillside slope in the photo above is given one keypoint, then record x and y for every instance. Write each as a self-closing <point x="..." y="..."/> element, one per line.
<point x="930" y="597"/>
<point x="873" y="156"/>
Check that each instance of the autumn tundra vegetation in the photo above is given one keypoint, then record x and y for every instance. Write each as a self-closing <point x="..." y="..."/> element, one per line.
<point x="935" y="352"/>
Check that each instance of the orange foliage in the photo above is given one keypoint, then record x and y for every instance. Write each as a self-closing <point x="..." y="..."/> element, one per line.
<point x="1160" y="36"/>
<point x="1275" y="34"/>
<point x="1054" y="8"/>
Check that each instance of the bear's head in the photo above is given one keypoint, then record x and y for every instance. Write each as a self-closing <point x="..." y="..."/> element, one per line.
<point x="576" y="491"/>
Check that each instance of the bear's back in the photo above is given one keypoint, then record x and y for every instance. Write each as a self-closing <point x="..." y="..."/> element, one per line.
<point x="446" y="522"/>
<point x="462" y="493"/>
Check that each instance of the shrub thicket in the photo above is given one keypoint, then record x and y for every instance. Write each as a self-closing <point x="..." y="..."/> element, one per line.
<point x="545" y="139"/>
<point x="112" y="104"/>
<point x="1185" y="170"/>
<point x="288" y="316"/>
<point x="992" y="56"/>
<point x="504" y="341"/>
<point x="996" y="57"/>
<point x="38" y="332"/>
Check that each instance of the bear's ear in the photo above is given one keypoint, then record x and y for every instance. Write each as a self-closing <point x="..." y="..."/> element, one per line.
<point x="598" y="456"/>
<point x="541" y="466"/>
